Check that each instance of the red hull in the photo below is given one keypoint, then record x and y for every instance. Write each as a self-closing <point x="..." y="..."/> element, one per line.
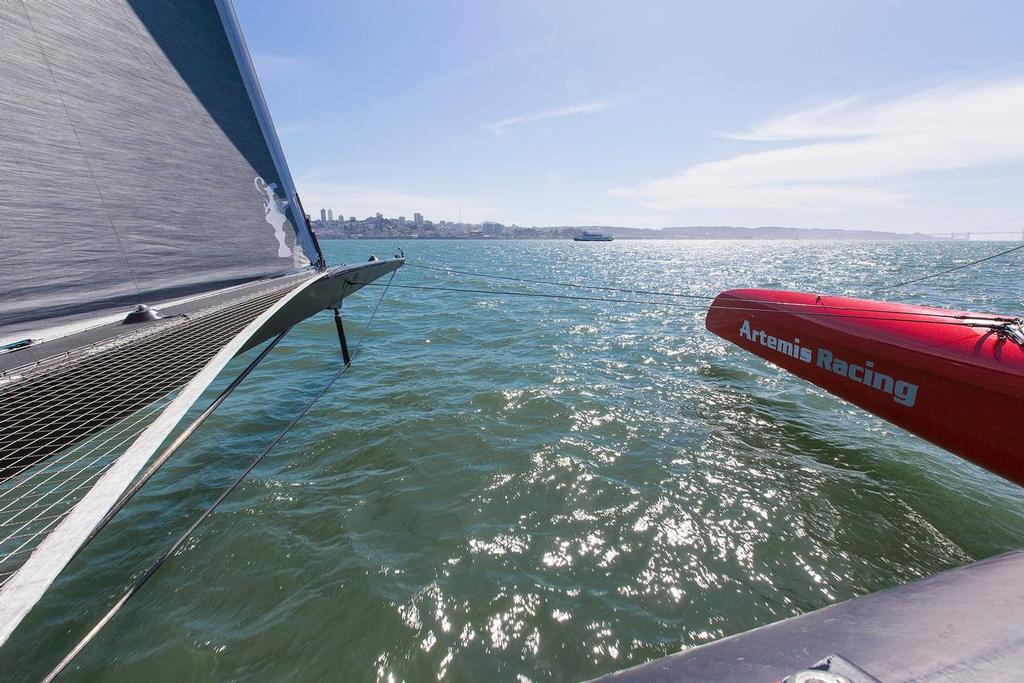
<point x="923" y="369"/>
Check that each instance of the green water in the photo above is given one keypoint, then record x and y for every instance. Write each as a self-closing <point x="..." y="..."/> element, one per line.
<point x="511" y="489"/>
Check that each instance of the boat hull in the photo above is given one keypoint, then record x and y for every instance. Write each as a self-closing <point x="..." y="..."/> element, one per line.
<point x="962" y="625"/>
<point x="943" y="375"/>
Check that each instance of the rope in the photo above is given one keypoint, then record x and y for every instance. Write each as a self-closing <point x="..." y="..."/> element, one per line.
<point x="992" y="323"/>
<point x="702" y="297"/>
<point x="986" y="230"/>
<point x="43" y="52"/>
<point x="535" y="294"/>
<point x="177" y="443"/>
<point x="950" y="270"/>
<point x="559" y="284"/>
<point x="63" y="664"/>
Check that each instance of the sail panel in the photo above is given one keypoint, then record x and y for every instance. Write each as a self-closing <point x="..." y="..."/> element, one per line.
<point x="135" y="166"/>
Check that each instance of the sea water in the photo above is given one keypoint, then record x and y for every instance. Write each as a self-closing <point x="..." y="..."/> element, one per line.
<point x="510" y="489"/>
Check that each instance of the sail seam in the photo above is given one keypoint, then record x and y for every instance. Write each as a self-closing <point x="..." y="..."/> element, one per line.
<point x="81" y="149"/>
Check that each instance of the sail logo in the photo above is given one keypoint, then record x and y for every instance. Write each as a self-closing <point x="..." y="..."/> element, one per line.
<point x="902" y="392"/>
<point x="274" y="208"/>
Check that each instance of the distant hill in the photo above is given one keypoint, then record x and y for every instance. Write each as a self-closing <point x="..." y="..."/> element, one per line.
<point x="379" y="227"/>
<point x="728" y="232"/>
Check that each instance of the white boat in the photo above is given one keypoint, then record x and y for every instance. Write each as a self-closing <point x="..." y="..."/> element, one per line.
<point x="588" y="236"/>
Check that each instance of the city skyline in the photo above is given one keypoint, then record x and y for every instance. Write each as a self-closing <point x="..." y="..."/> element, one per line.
<point x="418" y="220"/>
<point x="897" y="117"/>
<point x="386" y="225"/>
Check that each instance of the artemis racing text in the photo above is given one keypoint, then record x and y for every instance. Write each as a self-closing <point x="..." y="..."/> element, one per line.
<point x="904" y="393"/>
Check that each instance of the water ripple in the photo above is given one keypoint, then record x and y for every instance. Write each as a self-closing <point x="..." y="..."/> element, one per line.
<point x="533" y="489"/>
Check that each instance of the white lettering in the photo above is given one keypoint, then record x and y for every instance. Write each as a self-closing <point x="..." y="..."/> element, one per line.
<point x="903" y="392"/>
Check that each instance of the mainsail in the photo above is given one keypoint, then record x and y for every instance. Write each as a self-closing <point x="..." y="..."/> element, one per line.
<point x="136" y="166"/>
<point x="140" y="167"/>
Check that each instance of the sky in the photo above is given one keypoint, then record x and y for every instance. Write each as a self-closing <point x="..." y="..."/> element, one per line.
<point x="903" y="116"/>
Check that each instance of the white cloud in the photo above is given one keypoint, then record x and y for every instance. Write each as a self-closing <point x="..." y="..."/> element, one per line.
<point x="498" y="127"/>
<point x="295" y="127"/>
<point x="856" y="154"/>
<point x="455" y="75"/>
<point x="461" y="73"/>
<point x="479" y="66"/>
<point x="273" y="66"/>
<point x="362" y="201"/>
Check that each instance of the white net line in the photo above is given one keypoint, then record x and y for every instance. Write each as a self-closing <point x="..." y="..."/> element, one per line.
<point x="36" y="428"/>
<point x="39" y="486"/>
<point x="63" y="424"/>
<point x="50" y="499"/>
<point x="43" y="412"/>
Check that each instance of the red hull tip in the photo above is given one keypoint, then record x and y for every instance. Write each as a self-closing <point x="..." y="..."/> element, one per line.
<point x="947" y="376"/>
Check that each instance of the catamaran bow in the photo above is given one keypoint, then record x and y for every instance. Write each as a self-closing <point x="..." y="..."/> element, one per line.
<point x="142" y="172"/>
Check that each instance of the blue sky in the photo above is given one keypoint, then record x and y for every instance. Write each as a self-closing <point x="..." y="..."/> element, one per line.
<point x="891" y="115"/>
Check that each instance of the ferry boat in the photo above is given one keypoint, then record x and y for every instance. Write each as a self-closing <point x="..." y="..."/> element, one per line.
<point x="588" y="236"/>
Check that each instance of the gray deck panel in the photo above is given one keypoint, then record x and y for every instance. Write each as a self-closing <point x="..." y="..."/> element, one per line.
<point x="963" y="625"/>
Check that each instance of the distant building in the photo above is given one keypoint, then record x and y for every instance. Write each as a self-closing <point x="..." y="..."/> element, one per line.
<point x="330" y="215"/>
<point x="341" y="219"/>
<point x="323" y="216"/>
<point x="401" y="219"/>
<point x="417" y="218"/>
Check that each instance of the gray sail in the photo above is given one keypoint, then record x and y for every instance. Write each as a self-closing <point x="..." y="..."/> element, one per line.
<point x="138" y="161"/>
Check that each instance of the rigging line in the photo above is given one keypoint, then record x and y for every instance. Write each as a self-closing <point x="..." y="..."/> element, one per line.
<point x="63" y="664"/>
<point x="502" y="292"/>
<point x="984" y="322"/>
<point x="981" y="231"/>
<point x="173" y="447"/>
<point x="1008" y="220"/>
<point x="81" y="148"/>
<point x="949" y="270"/>
<point x="693" y="296"/>
<point x="559" y="284"/>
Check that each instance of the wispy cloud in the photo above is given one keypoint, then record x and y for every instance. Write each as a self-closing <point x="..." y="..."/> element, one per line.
<point x="455" y="75"/>
<point x="272" y="65"/>
<point x="498" y="127"/>
<point x="461" y="73"/>
<point x="362" y="201"/>
<point x="857" y="154"/>
<point x="288" y="128"/>
<point x="479" y="67"/>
